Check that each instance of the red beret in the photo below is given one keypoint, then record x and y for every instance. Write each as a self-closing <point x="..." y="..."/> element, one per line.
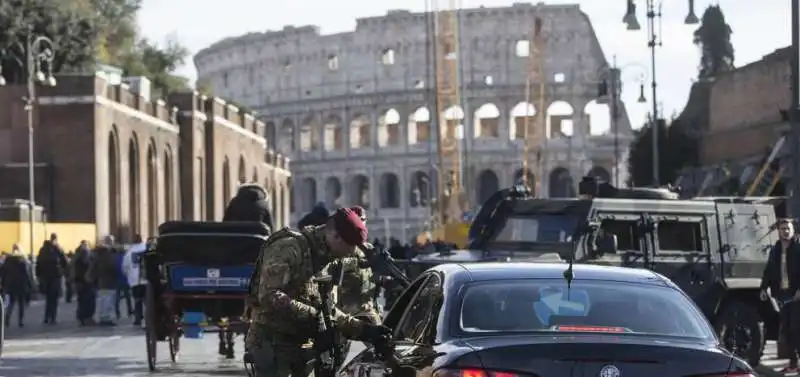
<point x="359" y="211"/>
<point x="349" y="226"/>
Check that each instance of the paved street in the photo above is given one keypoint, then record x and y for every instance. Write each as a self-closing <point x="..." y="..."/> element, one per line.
<point x="67" y="350"/>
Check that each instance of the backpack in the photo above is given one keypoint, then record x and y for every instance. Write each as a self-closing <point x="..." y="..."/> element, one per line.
<point x="301" y="236"/>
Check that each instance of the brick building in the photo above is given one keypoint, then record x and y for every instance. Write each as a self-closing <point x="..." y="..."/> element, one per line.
<point x="106" y="154"/>
<point x="747" y="115"/>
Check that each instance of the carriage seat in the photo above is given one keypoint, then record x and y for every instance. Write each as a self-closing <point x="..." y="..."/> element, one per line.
<point x="210" y="243"/>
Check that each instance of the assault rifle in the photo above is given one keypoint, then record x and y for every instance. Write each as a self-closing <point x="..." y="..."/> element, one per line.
<point x="328" y="356"/>
<point x="382" y="264"/>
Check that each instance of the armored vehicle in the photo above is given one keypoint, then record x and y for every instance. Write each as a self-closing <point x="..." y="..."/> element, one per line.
<point x="715" y="249"/>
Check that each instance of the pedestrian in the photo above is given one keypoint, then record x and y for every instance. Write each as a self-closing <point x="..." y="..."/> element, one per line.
<point x="16" y="283"/>
<point x="284" y="300"/>
<point x="84" y="290"/>
<point x="123" y="289"/>
<point x="781" y="282"/>
<point x="68" y="286"/>
<point x="131" y="267"/>
<point x="51" y="264"/>
<point x="103" y="273"/>
<point x="249" y="204"/>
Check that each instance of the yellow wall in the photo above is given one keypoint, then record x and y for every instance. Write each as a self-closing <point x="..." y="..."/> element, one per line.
<point x="69" y="234"/>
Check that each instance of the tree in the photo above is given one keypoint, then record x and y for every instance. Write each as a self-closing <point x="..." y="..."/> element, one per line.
<point x="676" y="151"/>
<point x="70" y="24"/>
<point x="117" y="28"/>
<point x="158" y="64"/>
<point x="713" y="37"/>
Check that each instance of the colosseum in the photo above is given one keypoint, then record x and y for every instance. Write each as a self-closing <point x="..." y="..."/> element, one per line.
<point x="353" y="110"/>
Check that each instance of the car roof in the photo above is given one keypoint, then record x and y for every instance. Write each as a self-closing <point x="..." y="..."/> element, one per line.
<point x="503" y="271"/>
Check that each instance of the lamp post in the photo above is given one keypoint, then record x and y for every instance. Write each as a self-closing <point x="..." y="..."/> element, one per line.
<point x="36" y="58"/>
<point x="611" y="87"/>
<point x="794" y="133"/>
<point x="653" y="41"/>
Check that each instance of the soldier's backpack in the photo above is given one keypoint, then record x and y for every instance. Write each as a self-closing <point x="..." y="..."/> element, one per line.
<point x="301" y="236"/>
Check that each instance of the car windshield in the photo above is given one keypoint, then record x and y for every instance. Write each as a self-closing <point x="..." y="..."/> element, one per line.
<point x="539" y="228"/>
<point x="588" y="306"/>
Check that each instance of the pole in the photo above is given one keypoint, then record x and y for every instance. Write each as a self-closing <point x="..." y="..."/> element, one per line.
<point x="30" y="64"/>
<point x="614" y="108"/>
<point x="794" y="133"/>
<point x="652" y="43"/>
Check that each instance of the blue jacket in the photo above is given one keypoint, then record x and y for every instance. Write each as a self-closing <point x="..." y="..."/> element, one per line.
<point x="123" y="281"/>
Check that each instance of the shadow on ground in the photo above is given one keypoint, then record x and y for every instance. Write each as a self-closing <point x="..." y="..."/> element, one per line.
<point x="50" y="366"/>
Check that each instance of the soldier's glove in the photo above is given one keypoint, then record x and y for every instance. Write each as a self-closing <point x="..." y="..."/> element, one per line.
<point x="375" y="334"/>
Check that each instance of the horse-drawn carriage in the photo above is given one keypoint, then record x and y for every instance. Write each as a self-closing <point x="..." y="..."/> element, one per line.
<point x="198" y="276"/>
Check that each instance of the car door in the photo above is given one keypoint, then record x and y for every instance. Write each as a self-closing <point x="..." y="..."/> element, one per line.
<point x="414" y="333"/>
<point x="359" y="365"/>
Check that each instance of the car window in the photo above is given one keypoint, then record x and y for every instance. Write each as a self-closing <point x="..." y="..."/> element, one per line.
<point x="422" y="313"/>
<point x="587" y="306"/>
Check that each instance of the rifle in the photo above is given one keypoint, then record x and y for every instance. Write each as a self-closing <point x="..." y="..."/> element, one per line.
<point x="328" y="355"/>
<point x="382" y="263"/>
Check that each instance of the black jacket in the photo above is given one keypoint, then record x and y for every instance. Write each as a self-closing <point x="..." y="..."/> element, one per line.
<point x="771" y="277"/>
<point x="15" y="276"/>
<point x="249" y="204"/>
<point x="51" y="263"/>
<point x="318" y="216"/>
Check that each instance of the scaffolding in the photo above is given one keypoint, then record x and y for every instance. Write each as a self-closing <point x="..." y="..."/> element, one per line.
<point x="449" y="167"/>
<point x="535" y="138"/>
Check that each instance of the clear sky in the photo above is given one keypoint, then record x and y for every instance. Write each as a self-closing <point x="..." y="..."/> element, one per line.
<point x="759" y="27"/>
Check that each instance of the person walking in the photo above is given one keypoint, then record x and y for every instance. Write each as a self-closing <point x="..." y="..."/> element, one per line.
<point x="16" y="283"/>
<point x="131" y="267"/>
<point x="50" y="267"/>
<point x="84" y="290"/>
<point x="103" y="273"/>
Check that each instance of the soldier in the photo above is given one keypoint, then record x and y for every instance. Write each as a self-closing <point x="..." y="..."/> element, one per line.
<point x="285" y="310"/>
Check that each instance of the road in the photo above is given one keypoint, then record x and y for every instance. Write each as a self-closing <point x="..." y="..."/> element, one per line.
<point x="66" y="350"/>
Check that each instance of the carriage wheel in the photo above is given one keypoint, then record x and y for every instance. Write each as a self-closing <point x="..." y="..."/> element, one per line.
<point x="151" y="331"/>
<point x="174" y="345"/>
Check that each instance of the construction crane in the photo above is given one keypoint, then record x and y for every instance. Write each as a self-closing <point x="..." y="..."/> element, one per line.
<point x="769" y="175"/>
<point x="450" y="195"/>
<point x="535" y="139"/>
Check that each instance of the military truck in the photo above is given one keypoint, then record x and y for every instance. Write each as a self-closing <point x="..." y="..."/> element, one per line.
<point x="715" y="249"/>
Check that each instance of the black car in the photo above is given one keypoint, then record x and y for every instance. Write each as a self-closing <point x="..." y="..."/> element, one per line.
<point x="527" y="320"/>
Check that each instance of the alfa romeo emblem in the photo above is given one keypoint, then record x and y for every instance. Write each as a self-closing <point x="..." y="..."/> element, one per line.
<point x="609" y="371"/>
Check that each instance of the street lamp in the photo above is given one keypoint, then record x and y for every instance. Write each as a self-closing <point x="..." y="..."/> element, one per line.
<point x="610" y="87"/>
<point x="37" y="61"/>
<point x="653" y="41"/>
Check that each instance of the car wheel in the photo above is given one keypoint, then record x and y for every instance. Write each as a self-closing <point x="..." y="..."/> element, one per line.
<point x="740" y="330"/>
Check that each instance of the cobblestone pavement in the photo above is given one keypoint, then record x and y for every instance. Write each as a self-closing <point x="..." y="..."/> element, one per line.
<point x="66" y="350"/>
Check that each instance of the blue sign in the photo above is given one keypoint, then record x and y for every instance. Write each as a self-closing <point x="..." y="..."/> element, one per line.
<point x="196" y="278"/>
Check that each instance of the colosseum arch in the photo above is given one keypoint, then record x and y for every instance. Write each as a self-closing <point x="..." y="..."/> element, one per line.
<point x="487" y="119"/>
<point x="152" y="188"/>
<point x="559" y="119"/>
<point x="309" y="134"/>
<point x="114" y="179"/>
<point x="487" y="184"/>
<point x="561" y="183"/>
<point x="308" y="193"/>
<point x="453" y="123"/>
<point x="389" y="129"/>
<point x="226" y="179"/>
<point x="530" y="181"/>
<point x="333" y="192"/>
<point x="520" y="114"/>
<point x="333" y="136"/>
<point x="170" y="202"/>
<point x="598" y="119"/>
<point x="419" y="126"/>
<point x="390" y="190"/>
<point x="359" y="191"/>
<point x="242" y="175"/>
<point x="599" y="172"/>
<point x="360" y="133"/>
<point x="270" y="133"/>
<point x="286" y="142"/>
<point x="134" y="191"/>
<point x="420" y="190"/>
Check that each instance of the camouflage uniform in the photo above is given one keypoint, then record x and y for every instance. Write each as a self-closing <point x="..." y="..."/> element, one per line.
<point x="356" y="294"/>
<point x="280" y="337"/>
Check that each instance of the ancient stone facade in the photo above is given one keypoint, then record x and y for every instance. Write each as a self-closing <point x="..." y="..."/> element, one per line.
<point x="747" y="115"/>
<point x="355" y="110"/>
<point x="113" y="158"/>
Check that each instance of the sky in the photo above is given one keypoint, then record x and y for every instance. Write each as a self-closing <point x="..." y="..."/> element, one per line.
<point x="759" y="27"/>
